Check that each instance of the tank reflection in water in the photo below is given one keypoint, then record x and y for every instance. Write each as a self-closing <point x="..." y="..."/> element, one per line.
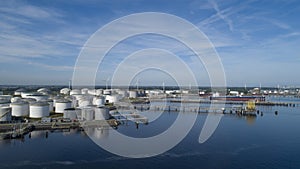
<point x="268" y="141"/>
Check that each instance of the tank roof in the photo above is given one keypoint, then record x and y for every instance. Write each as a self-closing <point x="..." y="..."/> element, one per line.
<point x="39" y="104"/>
<point x="19" y="103"/>
<point x="63" y="101"/>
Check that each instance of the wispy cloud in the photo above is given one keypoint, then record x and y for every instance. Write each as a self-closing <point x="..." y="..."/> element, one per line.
<point x="222" y="14"/>
<point x="50" y="36"/>
<point x="23" y="41"/>
<point x="20" y="9"/>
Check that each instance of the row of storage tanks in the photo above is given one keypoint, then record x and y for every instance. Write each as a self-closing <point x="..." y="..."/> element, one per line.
<point x="84" y="104"/>
<point x="35" y="105"/>
<point x="101" y="92"/>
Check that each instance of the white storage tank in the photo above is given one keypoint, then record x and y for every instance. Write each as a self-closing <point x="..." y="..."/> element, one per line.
<point x="73" y="100"/>
<point x="75" y="91"/>
<point x="84" y="103"/>
<point x="88" y="113"/>
<point x="39" y="110"/>
<point x="99" y="92"/>
<point x="55" y="98"/>
<point x="43" y="90"/>
<point x="123" y="93"/>
<point x="78" y="96"/>
<point x="102" y="113"/>
<point x="99" y="101"/>
<point x="51" y="104"/>
<point x="65" y="91"/>
<point x="84" y="91"/>
<point x="19" y="91"/>
<point x="15" y="99"/>
<point x="5" y="113"/>
<point x="112" y="98"/>
<point x="133" y="94"/>
<point x="72" y="113"/>
<point x="20" y="109"/>
<point x="61" y="105"/>
<point x="25" y="94"/>
<point x="92" y="92"/>
<point x="107" y="92"/>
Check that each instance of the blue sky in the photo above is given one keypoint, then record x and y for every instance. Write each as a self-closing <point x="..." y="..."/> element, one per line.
<point x="257" y="41"/>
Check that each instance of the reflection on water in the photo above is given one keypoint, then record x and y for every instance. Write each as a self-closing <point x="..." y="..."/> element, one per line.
<point x="268" y="141"/>
<point x="250" y="119"/>
<point x="38" y="134"/>
<point x="98" y="132"/>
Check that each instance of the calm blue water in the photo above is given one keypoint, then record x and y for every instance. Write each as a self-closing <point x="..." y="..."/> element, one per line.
<point x="268" y="141"/>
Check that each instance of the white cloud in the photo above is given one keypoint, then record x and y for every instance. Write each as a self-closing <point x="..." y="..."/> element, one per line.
<point x="222" y="14"/>
<point x="20" y="9"/>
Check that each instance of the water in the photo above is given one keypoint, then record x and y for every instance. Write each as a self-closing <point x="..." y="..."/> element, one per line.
<point x="268" y="141"/>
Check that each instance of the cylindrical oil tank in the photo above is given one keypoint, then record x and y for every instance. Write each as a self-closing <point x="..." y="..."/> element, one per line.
<point x="84" y="103"/>
<point x="78" y="96"/>
<point x="20" y="109"/>
<point x="92" y="92"/>
<point x="25" y="94"/>
<point x="72" y="113"/>
<point x="19" y="91"/>
<point x="42" y="90"/>
<point x="69" y="98"/>
<point x="84" y="91"/>
<point x="133" y="94"/>
<point x="5" y="113"/>
<point x="65" y="91"/>
<point x="123" y="93"/>
<point x="99" y="101"/>
<point x="75" y="91"/>
<point x="39" y="110"/>
<point x="51" y="104"/>
<point x="88" y="113"/>
<point x="73" y="100"/>
<point x="99" y="92"/>
<point x="107" y="92"/>
<point x="15" y="99"/>
<point x="112" y="98"/>
<point x="61" y="105"/>
<point x="102" y="113"/>
<point x="55" y="98"/>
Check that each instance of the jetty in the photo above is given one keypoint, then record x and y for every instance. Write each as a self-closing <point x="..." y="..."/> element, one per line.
<point x="18" y="130"/>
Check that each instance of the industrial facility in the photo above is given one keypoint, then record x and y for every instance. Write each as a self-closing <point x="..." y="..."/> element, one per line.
<point x="74" y="104"/>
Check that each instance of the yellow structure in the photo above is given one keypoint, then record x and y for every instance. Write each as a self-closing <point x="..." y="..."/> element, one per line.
<point x="250" y="105"/>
